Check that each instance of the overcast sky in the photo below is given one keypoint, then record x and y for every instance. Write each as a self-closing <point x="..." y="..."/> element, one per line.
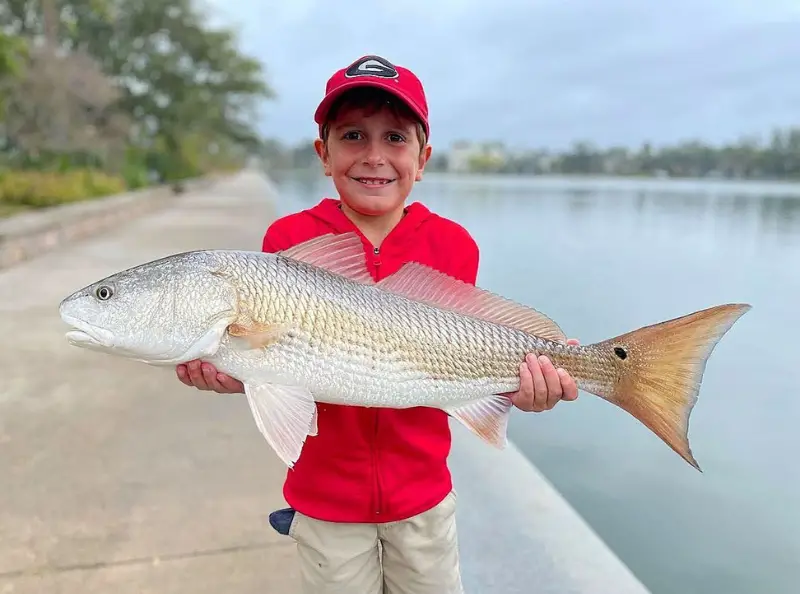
<point x="542" y="73"/>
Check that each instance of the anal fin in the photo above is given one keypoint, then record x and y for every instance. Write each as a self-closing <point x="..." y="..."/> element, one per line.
<point x="487" y="418"/>
<point x="422" y="283"/>
<point x="314" y="430"/>
<point x="285" y="415"/>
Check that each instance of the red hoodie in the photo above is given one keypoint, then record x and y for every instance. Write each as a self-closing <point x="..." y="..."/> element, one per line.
<point x="376" y="464"/>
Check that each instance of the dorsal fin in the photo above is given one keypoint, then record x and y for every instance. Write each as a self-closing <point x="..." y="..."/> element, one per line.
<point x="341" y="254"/>
<point x="422" y="283"/>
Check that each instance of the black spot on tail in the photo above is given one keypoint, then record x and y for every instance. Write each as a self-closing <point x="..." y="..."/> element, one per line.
<point x="620" y="352"/>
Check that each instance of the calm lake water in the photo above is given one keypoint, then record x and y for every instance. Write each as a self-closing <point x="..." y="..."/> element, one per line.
<point x="606" y="257"/>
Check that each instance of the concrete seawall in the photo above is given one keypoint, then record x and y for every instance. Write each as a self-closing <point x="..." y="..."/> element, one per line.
<point x="116" y="477"/>
<point x="33" y="233"/>
<point x="519" y="535"/>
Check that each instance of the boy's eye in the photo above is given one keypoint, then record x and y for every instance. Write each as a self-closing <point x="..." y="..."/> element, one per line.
<point x="356" y="135"/>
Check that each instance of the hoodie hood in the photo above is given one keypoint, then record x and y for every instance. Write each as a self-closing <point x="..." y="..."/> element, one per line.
<point x="328" y="211"/>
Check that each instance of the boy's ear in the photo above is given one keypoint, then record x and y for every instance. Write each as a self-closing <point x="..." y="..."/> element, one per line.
<point x="322" y="153"/>
<point x="424" y="156"/>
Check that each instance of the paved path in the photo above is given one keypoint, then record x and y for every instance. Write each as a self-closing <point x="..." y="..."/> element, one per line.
<point x="114" y="477"/>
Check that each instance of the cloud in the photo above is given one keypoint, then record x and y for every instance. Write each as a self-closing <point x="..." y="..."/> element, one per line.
<point x="545" y="73"/>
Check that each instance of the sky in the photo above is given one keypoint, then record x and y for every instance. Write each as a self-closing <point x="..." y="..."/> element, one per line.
<point x="541" y="73"/>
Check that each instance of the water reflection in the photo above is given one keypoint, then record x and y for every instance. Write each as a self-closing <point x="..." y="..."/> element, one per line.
<point x="771" y="220"/>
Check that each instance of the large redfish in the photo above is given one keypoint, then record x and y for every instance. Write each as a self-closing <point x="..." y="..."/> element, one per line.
<point x="310" y="325"/>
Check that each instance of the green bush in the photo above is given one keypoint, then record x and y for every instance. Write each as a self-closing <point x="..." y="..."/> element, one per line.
<point x="49" y="188"/>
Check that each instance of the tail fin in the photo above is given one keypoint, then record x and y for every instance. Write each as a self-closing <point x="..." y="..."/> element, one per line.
<point x="661" y="368"/>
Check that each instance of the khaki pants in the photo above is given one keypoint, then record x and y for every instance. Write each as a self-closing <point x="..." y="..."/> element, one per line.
<point x="418" y="555"/>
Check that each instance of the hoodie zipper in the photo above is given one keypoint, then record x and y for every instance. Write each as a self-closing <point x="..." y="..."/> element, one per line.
<point x="376" y="261"/>
<point x="378" y="495"/>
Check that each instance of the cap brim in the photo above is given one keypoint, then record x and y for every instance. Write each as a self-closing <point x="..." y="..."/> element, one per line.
<point x="325" y="105"/>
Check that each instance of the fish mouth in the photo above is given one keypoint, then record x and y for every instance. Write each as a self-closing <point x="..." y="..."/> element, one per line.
<point x="86" y="335"/>
<point x="80" y="338"/>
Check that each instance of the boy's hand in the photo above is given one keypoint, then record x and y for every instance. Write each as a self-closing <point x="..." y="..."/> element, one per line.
<point x="204" y="376"/>
<point x="542" y="385"/>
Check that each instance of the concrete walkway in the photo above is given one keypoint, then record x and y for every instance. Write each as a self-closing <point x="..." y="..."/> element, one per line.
<point x="114" y="477"/>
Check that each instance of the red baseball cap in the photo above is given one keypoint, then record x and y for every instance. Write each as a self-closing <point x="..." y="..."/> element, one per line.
<point x="374" y="71"/>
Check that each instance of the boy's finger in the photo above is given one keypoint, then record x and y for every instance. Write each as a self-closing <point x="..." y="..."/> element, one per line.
<point x="210" y="377"/>
<point x="196" y="375"/>
<point x="183" y="375"/>
<point x="553" y="382"/>
<point x="223" y="384"/>
<point x="220" y="386"/>
<point x="568" y="385"/>
<point x="539" y="385"/>
<point x="523" y="399"/>
<point x="230" y="384"/>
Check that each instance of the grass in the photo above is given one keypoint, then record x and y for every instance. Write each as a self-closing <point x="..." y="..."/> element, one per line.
<point x="6" y="210"/>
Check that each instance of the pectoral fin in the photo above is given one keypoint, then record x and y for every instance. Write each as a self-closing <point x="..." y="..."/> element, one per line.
<point x="257" y="335"/>
<point x="487" y="418"/>
<point x="285" y="415"/>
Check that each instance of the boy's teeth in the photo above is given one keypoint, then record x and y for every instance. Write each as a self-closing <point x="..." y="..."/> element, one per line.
<point x="374" y="182"/>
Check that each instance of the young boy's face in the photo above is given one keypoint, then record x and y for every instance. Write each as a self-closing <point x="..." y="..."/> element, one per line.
<point x="374" y="158"/>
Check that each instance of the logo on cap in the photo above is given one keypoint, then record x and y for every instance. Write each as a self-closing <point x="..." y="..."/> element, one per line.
<point x="371" y="66"/>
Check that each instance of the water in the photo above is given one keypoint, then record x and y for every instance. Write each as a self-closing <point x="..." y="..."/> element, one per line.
<point x="605" y="257"/>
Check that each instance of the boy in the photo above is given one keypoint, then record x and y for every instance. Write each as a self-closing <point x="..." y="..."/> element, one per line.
<point x="372" y="504"/>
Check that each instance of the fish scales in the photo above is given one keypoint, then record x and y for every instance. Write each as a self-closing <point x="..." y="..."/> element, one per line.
<point x="392" y="343"/>
<point x="389" y="345"/>
<point x="386" y="343"/>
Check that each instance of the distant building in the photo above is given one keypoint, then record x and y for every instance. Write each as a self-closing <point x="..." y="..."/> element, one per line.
<point x="459" y="155"/>
<point x="470" y="156"/>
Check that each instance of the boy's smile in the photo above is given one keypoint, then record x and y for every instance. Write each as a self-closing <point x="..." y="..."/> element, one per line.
<point x="373" y="181"/>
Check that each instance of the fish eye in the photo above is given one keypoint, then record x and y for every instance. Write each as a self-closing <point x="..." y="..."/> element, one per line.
<point x="103" y="293"/>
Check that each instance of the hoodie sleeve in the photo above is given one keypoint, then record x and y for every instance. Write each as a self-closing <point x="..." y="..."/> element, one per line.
<point x="467" y="257"/>
<point x="279" y="235"/>
<point x="269" y="243"/>
<point x="288" y="231"/>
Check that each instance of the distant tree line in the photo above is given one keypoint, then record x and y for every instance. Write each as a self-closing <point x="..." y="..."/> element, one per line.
<point x="778" y="158"/>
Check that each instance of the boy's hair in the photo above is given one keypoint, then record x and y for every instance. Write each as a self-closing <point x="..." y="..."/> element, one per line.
<point x="372" y="100"/>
